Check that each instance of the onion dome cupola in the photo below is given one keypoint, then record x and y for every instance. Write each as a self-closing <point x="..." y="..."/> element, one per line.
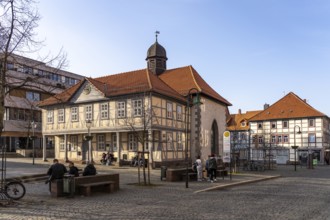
<point x="156" y="58"/>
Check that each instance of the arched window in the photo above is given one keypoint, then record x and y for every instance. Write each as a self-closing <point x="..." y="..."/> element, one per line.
<point x="214" y="138"/>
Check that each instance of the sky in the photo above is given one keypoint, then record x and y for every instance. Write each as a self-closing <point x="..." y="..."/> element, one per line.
<point x="251" y="52"/>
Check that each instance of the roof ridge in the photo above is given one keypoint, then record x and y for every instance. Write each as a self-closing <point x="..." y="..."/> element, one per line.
<point x="193" y="77"/>
<point x="119" y="73"/>
<point x="148" y="78"/>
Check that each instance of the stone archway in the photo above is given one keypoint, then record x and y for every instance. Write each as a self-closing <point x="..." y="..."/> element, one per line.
<point x="214" y="138"/>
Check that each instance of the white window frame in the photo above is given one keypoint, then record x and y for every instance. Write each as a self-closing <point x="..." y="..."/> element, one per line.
<point x="61" y="143"/>
<point x="285" y="138"/>
<point x="114" y="142"/>
<point x="137" y="107"/>
<point x="179" y="112"/>
<point x="101" y="142"/>
<point x="61" y="115"/>
<point x="132" y="142"/>
<point x="74" y="114"/>
<point x="121" y="109"/>
<point x="169" y="141"/>
<point x="279" y="139"/>
<point x="104" y="110"/>
<point x="273" y="139"/>
<point x="311" y="138"/>
<point x="89" y="112"/>
<point x="74" y="143"/>
<point x="260" y="125"/>
<point x="169" y="110"/>
<point x="311" y="122"/>
<point x="50" y="116"/>
<point x="273" y="125"/>
<point x="179" y="140"/>
<point x="285" y="124"/>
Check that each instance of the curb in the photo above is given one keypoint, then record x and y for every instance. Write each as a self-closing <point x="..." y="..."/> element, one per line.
<point x="237" y="184"/>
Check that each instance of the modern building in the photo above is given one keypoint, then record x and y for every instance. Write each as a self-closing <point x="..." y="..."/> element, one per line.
<point x="28" y="82"/>
<point x="289" y="122"/>
<point x="151" y="110"/>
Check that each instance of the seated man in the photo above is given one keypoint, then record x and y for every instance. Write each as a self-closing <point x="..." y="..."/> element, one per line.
<point x="89" y="170"/>
<point x="73" y="170"/>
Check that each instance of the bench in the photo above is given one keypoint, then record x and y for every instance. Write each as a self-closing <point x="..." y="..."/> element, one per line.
<point x="86" y="188"/>
<point x="98" y="182"/>
<point x="191" y="176"/>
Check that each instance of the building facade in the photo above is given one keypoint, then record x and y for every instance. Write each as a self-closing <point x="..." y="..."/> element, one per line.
<point x="150" y="110"/>
<point x="291" y="121"/>
<point x="27" y="83"/>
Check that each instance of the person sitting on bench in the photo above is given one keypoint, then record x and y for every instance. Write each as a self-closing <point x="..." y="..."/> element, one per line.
<point x="89" y="170"/>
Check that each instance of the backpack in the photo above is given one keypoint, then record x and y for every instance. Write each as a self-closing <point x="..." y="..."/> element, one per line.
<point x="194" y="167"/>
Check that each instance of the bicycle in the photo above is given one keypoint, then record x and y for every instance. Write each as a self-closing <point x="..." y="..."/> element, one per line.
<point x="13" y="190"/>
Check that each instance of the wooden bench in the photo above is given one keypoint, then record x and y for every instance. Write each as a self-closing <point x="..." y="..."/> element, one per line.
<point x="86" y="188"/>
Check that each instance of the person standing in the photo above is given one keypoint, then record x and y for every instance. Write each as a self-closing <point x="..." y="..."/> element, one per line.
<point x="213" y="168"/>
<point x="207" y="168"/>
<point x="73" y="170"/>
<point x="199" y="168"/>
<point x="55" y="171"/>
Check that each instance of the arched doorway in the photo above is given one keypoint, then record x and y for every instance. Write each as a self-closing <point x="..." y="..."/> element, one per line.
<point x="214" y="138"/>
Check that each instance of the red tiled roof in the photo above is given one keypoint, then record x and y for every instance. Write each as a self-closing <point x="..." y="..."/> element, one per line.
<point x="174" y="83"/>
<point x="234" y="122"/>
<point x="290" y="106"/>
<point x="61" y="97"/>
<point x="184" y="78"/>
<point x="134" y="82"/>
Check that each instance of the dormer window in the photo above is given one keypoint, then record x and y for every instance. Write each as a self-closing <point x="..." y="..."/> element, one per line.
<point x="243" y="123"/>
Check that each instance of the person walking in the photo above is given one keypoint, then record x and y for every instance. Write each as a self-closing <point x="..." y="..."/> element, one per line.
<point x="199" y="168"/>
<point x="213" y="168"/>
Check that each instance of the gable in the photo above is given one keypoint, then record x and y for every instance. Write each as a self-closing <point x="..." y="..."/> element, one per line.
<point x="87" y="93"/>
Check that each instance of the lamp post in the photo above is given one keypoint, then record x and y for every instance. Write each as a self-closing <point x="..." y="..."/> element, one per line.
<point x="295" y="146"/>
<point x="190" y="103"/>
<point x="89" y="138"/>
<point x="33" y="137"/>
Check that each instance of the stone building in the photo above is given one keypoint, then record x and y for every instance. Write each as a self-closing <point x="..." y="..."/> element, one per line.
<point x="150" y="110"/>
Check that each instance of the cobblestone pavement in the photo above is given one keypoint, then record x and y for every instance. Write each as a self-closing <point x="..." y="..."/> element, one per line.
<point x="304" y="194"/>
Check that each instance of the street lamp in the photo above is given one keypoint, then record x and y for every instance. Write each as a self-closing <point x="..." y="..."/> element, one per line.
<point x="295" y="146"/>
<point x="191" y="101"/>
<point x="33" y="137"/>
<point x="89" y="138"/>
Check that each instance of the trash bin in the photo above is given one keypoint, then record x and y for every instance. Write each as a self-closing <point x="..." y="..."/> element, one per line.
<point x="163" y="172"/>
<point x="69" y="185"/>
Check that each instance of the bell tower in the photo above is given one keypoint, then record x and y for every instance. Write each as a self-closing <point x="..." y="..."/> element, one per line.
<point x="156" y="57"/>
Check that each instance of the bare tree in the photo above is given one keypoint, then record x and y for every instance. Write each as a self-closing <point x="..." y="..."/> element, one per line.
<point x="140" y="128"/>
<point x="18" y="21"/>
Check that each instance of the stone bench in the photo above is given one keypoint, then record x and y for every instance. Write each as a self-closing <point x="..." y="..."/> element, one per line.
<point x="105" y="182"/>
<point x="97" y="178"/>
<point x="86" y="188"/>
<point x="177" y="174"/>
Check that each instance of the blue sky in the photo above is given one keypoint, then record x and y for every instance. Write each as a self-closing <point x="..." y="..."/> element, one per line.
<point x="251" y="52"/>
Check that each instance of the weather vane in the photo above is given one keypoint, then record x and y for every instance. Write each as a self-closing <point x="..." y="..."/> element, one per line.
<point x="157" y="32"/>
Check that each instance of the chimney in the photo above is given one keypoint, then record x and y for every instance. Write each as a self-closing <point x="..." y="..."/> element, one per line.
<point x="239" y="111"/>
<point x="305" y="100"/>
<point x="266" y="106"/>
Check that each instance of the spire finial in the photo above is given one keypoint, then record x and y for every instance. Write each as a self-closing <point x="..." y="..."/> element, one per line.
<point x="157" y="32"/>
